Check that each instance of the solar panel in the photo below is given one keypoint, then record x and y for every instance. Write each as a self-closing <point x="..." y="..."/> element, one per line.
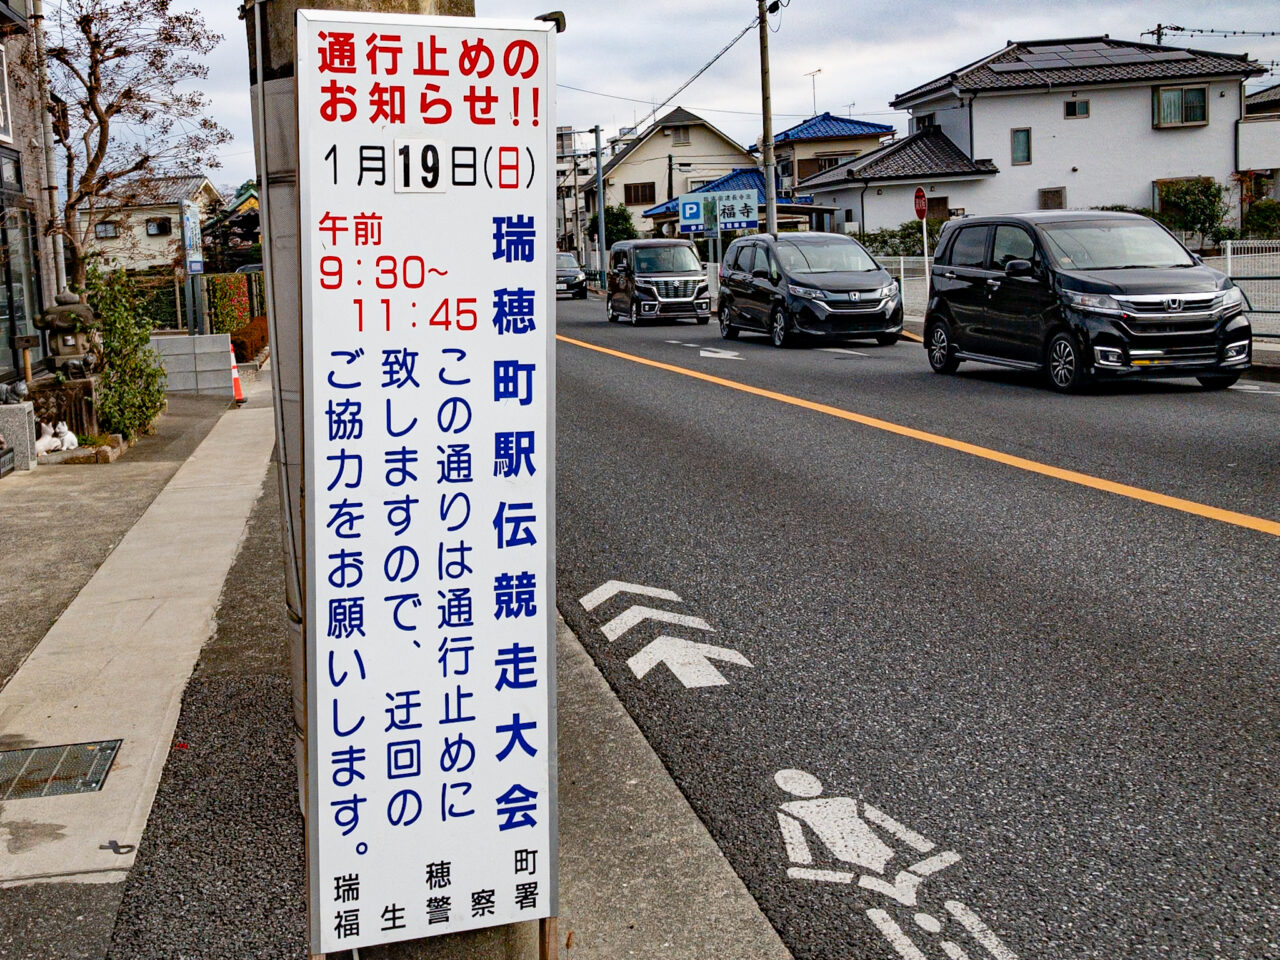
<point x="1171" y="55"/>
<point x="1053" y="48"/>
<point x="1096" y="45"/>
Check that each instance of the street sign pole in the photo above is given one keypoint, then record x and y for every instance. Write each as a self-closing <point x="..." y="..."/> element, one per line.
<point x="600" y="247"/>
<point x="922" y="209"/>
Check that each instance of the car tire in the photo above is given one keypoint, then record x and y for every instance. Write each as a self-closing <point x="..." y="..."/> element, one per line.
<point x="778" y="332"/>
<point x="940" y="347"/>
<point x="1064" y="363"/>
<point x="635" y="313"/>
<point x="582" y="295"/>
<point x="1218" y="381"/>
<point x="886" y="339"/>
<point x="727" y="330"/>
<point x="608" y="309"/>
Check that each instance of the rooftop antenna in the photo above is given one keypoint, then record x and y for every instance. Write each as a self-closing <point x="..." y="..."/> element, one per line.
<point x="850" y="105"/>
<point x="813" y="82"/>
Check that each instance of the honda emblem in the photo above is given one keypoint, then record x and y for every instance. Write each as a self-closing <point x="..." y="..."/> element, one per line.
<point x="1173" y="304"/>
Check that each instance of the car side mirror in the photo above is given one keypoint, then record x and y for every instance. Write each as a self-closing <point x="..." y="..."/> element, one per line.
<point x="760" y="274"/>
<point x="1019" y="268"/>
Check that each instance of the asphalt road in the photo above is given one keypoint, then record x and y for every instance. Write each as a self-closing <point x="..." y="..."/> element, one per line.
<point x="1069" y="685"/>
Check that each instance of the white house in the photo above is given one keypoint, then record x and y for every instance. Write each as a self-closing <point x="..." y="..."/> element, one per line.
<point x="1051" y="124"/>
<point x="147" y="231"/>
<point x="676" y="154"/>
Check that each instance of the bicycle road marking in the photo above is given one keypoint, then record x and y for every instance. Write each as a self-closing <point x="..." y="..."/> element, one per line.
<point x="1231" y="517"/>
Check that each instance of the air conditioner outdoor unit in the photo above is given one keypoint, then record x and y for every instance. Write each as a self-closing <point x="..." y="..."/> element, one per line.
<point x="850" y="228"/>
<point x="787" y="182"/>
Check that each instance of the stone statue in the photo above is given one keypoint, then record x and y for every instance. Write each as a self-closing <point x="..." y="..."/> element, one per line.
<point x="73" y="334"/>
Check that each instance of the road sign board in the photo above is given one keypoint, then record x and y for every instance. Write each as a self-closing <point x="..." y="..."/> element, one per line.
<point x="427" y="298"/>
<point x="192" y="244"/>
<point x="922" y="203"/>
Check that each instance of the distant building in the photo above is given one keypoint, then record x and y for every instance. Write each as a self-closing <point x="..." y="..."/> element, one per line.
<point x="822" y="142"/>
<point x="794" y="213"/>
<point x="676" y="154"/>
<point x="147" y="233"/>
<point x="1050" y="124"/>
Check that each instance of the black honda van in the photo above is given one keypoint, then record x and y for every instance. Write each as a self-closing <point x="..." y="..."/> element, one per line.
<point x="1081" y="295"/>
<point x="656" y="280"/>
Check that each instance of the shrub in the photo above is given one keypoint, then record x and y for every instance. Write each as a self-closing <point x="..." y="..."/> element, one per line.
<point x="130" y="391"/>
<point x="228" y="301"/>
<point x="249" y="340"/>
<point x="1194" y="206"/>
<point x="1262" y="222"/>
<point x="902" y="240"/>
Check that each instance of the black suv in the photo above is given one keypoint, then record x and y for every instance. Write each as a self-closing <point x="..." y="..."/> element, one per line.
<point x="656" y="279"/>
<point x="821" y="284"/>
<point x="1080" y="295"/>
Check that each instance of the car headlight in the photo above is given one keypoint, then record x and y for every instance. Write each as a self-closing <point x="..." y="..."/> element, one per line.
<point x="580" y="276"/>
<point x="1089" y="301"/>
<point x="1233" y="296"/>
<point x="886" y="292"/>
<point x="810" y="293"/>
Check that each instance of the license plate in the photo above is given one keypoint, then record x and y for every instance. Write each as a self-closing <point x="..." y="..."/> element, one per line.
<point x="562" y="286"/>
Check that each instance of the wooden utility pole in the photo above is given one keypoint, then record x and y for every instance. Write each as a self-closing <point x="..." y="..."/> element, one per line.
<point x="766" y="108"/>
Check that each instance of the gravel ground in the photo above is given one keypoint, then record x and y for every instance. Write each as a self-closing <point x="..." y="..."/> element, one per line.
<point x="219" y="872"/>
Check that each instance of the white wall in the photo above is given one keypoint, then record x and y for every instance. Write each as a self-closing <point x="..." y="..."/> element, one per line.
<point x="952" y="115"/>
<point x="888" y="205"/>
<point x="1260" y="143"/>
<point x="1110" y="157"/>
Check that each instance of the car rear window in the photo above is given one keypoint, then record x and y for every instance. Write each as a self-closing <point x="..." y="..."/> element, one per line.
<point x="970" y="247"/>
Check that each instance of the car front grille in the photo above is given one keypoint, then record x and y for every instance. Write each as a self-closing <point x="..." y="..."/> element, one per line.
<point x="675" y="289"/>
<point x="1174" y="356"/>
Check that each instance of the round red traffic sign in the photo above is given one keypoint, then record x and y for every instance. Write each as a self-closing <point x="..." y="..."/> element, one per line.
<point x="922" y="205"/>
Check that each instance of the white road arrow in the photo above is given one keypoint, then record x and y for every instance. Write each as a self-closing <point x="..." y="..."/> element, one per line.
<point x="638" y="614"/>
<point x="719" y="353"/>
<point x="611" y="588"/>
<point x="689" y="661"/>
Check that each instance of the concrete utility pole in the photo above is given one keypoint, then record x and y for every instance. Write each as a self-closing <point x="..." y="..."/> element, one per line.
<point x="271" y="29"/>
<point x="600" y="245"/>
<point x="766" y="108"/>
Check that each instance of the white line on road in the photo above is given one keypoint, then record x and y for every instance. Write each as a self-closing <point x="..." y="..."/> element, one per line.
<point x="980" y="931"/>
<point x="893" y="933"/>
<point x="612" y="588"/>
<point x="638" y="614"/>
<point x="1257" y="391"/>
<point x="689" y="661"/>
<point x="853" y="353"/>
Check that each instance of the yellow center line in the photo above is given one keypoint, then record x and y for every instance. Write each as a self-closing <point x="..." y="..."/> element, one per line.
<point x="1031" y="466"/>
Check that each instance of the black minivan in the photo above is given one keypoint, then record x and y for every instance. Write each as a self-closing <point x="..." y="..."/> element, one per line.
<point x="816" y="284"/>
<point x="656" y="280"/>
<point x="1080" y="295"/>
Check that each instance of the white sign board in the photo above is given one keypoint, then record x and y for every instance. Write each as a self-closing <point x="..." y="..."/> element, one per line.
<point x="192" y="242"/>
<point x="426" y="146"/>
<point x="712" y="211"/>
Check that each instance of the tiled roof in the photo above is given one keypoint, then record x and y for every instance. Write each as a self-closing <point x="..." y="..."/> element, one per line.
<point x="171" y="189"/>
<point x="1080" y="61"/>
<point x="1268" y="96"/>
<point x="826" y="127"/>
<point x="927" y="153"/>
<point x="678" y="117"/>
<point x="744" y="178"/>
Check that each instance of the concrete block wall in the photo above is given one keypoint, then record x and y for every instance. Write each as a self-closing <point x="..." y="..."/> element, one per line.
<point x="18" y="425"/>
<point x="199" y="364"/>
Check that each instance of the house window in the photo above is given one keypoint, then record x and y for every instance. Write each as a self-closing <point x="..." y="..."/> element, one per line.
<point x="159" y="227"/>
<point x="784" y="166"/>
<point x="826" y="163"/>
<point x="1075" y="109"/>
<point x="1053" y="198"/>
<point x="638" y="193"/>
<point x="926" y="120"/>
<point x="1180" y="106"/>
<point x="1020" y="145"/>
<point x="680" y="136"/>
<point x="697" y="184"/>
<point x="107" y="230"/>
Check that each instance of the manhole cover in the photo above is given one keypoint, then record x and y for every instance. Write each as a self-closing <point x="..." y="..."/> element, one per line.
<point x="51" y="771"/>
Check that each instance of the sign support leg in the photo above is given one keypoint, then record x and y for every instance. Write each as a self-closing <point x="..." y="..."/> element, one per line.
<point x="549" y="938"/>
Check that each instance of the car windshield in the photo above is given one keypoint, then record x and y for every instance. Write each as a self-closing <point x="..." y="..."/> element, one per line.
<point x="837" y="257"/>
<point x="1112" y="245"/>
<point x="666" y="260"/>
<point x="566" y="261"/>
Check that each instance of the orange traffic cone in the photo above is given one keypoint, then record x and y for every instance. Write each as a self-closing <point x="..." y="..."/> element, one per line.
<point x="235" y="377"/>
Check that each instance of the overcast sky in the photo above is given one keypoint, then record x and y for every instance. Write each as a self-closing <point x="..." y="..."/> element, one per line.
<point x="867" y="52"/>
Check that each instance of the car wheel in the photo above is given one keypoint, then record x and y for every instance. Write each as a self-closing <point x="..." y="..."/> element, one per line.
<point x="942" y="352"/>
<point x="608" y="309"/>
<point x="635" y="313"/>
<point x="727" y="330"/>
<point x="580" y="295"/>
<point x="778" y="331"/>
<point x="886" y="339"/>
<point x="1218" y="381"/>
<point x="1064" y="363"/>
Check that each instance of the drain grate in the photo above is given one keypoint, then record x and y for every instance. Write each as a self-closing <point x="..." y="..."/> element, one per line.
<point x="52" y="771"/>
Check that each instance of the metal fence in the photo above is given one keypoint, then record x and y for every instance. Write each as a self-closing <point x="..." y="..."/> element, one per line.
<point x="1255" y="267"/>
<point x="913" y="274"/>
